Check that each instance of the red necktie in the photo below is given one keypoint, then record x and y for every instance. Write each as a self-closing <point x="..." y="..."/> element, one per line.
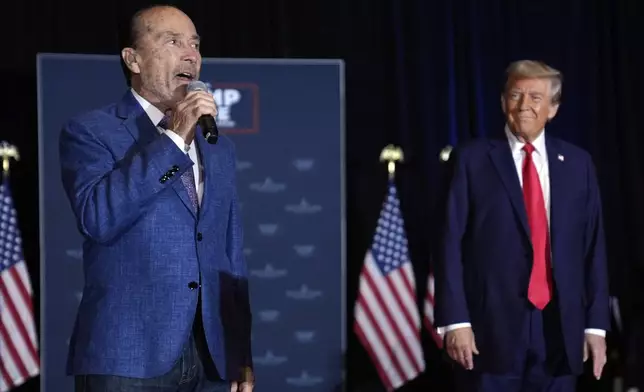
<point x="540" y="287"/>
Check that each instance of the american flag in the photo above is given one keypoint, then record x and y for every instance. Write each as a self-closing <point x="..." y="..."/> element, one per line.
<point x="19" y="359"/>
<point x="386" y="316"/>
<point x="428" y="311"/>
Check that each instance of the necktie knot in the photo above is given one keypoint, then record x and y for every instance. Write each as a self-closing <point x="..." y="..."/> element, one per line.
<point x="528" y="148"/>
<point x="164" y="122"/>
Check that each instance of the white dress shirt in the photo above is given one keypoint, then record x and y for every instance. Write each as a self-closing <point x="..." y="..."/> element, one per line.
<point x="540" y="159"/>
<point x="156" y="116"/>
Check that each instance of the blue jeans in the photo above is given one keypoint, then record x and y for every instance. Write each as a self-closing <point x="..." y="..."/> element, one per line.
<point x="187" y="375"/>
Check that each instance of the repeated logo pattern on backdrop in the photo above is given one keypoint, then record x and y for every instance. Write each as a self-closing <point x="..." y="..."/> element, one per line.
<point x="286" y="120"/>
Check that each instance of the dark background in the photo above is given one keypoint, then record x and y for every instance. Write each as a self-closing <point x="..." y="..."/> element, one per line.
<point x="419" y="73"/>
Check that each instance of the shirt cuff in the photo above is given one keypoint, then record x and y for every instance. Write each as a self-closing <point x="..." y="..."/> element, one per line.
<point x="594" y="331"/>
<point x="442" y="330"/>
<point x="178" y="140"/>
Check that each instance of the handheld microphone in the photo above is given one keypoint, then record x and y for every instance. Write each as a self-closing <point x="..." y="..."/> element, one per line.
<point x="206" y="122"/>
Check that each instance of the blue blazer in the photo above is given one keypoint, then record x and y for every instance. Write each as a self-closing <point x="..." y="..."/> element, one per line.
<point x="485" y="254"/>
<point x="147" y="253"/>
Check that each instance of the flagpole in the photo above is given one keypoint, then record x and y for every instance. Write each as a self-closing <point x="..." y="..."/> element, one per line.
<point x="8" y="151"/>
<point x="392" y="155"/>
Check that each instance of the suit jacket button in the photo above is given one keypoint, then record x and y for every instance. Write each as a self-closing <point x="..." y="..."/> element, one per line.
<point x="199" y="237"/>
<point x="193" y="285"/>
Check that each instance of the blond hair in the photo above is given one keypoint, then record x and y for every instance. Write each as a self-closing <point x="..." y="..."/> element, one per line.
<point x="531" y="69"/>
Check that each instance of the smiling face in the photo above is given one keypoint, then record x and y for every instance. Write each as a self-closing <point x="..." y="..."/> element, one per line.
<point x="528" y="106"/>
<point x="530" y="98"/>
<point x="165" y="56"/>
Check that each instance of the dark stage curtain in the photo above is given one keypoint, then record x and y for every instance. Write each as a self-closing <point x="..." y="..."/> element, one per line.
<point x="422" y="74"/>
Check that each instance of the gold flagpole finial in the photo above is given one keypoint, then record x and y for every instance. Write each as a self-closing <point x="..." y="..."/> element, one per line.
<point x="445" y="153"/>
<point x="392" y="154"/>
<point x="8" y="151"/>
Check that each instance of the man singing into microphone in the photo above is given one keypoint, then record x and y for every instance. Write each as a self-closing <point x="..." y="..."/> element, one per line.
<point x="165" y="303"/>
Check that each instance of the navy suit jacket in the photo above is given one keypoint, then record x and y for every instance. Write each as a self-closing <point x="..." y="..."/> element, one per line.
<point x="147" y="253"/>
<point x="485" y="253"/>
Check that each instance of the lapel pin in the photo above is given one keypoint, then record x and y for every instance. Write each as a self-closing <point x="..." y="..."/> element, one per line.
<point x="560" y="157"/>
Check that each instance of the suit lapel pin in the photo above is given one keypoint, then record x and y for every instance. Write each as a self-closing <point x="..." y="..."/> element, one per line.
<point x="560" y="157"/>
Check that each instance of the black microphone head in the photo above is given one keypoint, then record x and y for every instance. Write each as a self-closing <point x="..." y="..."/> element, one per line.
<point x="196" y="85"/>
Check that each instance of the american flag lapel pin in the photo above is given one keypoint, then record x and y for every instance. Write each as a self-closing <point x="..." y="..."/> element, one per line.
<point x="560" y="157"/>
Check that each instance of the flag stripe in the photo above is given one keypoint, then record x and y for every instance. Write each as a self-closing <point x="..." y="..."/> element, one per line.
<point x="366" y="334"/>
<point x="390" y="349"/>
<point x="409" y="277"/>
<point x="16" y="367"/>
<point x="406" y="298"/>
<point x="19" y="315"/>
<point x="13" y="323"/>
<point x="9" y="371"/>
<point x="4" y="374"/>
<point x="16" y="290"/>
<point x="387" y="320"/>
<point x="404" y="285"/>
<point x="19" y="358"/>
<point x="374" y="305"/>
<point x="389" y="303"/>
<point x="428" y="311"/>
<point x="391" y="307"/>
<point x="23" y="274"/>
<point x="14" y="342"/>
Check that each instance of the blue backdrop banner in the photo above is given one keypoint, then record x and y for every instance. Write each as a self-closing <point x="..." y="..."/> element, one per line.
<point x="286" y="119"/>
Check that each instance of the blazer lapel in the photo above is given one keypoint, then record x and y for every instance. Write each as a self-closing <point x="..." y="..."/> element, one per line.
<point x="212" y="169"/>
<point x="139" y="125"/>
<point x="204" y="157"/>
<point x="136" y="121"/>
<point x="502" y="158"/>
<point x="556" y="171"/>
